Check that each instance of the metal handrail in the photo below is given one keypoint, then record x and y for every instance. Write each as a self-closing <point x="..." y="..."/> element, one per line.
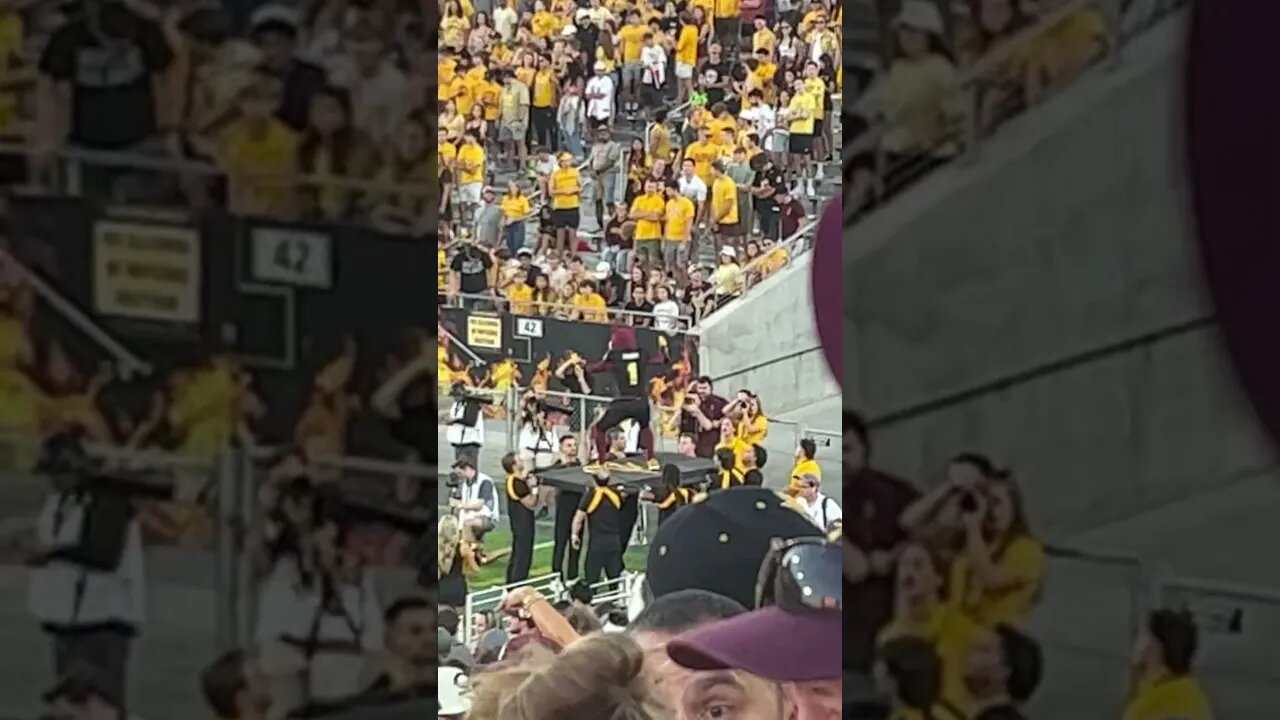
<point x="683" y="320"/>
<point x="110" y="158"/>
<point x="788" y="245"/>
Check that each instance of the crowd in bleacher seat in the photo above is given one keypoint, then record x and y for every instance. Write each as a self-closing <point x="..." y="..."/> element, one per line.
<point x="311" y="111"/>
<point x="677" y="141"/>
<point x="934" y="76"/>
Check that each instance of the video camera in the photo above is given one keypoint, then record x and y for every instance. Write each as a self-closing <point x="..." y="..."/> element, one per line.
<point x="66" y="461"/>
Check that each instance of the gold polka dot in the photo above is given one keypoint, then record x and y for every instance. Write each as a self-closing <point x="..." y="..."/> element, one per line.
<point x="761" y="505"/>
<point x="662" y="551"/>
<point x="724" y="538"/>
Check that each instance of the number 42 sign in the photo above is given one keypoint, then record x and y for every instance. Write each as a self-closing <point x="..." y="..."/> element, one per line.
<point x="292" y="257"/>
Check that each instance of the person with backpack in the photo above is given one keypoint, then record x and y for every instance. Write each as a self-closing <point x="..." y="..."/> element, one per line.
<point x="822" y="510"/>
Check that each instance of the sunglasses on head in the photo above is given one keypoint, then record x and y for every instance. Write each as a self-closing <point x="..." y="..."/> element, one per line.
<point x="801" y="575"/>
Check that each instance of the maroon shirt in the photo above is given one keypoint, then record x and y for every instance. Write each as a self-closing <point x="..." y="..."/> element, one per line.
<point x="873" y="504"/>
<point x="705" y="440"/>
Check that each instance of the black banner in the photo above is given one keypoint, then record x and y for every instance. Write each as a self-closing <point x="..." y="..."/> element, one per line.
<point x="286" y="301"/>
<point x="525" y="351"/>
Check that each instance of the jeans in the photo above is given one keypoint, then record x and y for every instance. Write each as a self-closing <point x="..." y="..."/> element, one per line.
<point x="572" y="142"/>
<point x="513" y="234"/>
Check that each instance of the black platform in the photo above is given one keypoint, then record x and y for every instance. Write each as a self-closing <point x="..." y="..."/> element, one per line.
<point x="631" y="474"/>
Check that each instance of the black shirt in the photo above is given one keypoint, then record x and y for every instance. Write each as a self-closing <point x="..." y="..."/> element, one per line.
<point x="517" y="489"/>
<point x="716" y="73"/>
<point x="472" y="266"/>
<point x="644" y="306"/>
<point x="630" y="371"/>
<point x="112" y="103"/>
<point x="773" y="178"/>
<point x="603" y="506"/>
<point x="673" y="502"/>
<point x="411" y="428"/>
<point x="1001" y="712"/>
<point x="301" y="82"/>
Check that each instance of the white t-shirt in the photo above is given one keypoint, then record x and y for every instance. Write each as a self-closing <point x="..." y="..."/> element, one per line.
<point x="654" y="59"/>
<point x="823" y="511"/>
<point x="665" y="316"/>
<point x="762" y="118"/>
<point x="505" y="21"/>
<point x="600" y="108"/>
<point x="693" y="188"/>
<point x="378" y="103"/>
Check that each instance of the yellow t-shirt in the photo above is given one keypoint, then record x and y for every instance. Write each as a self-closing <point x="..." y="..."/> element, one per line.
<point x="520" y="296"/>
<point x="724" y="201"/>
<point x="565" y="179"/>
<point x="515" y="207"/>
<point x="470" y="160"/>
<point x="544" y="89"/>
<point x="544" y="24"/>
<point x="753" y="432"/>
<point x="649" y="203"/>
<point x="447" y="152"/>
<point x="725" y="9"/>
<point x="804" y="467"/>
<point x="764" y="40"/>
<point x="260" y="163"/>
<point x="1023" y="561"/>
<point x="687" y="45"/>
<point x="679" y="219"/>
<point x="817" y="89"/>
<point x="631" y="42"/>
<point x="952" y="636"/>
<point x="1167" y="699"/>
<point x="592" y="307"/>
<point x="804" y="114"/>
<point x="702" y="154"/>
<point x="489" y="95"/>
<point x="442" y="271"/>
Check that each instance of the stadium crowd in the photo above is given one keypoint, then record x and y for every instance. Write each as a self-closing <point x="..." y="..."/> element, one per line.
<point x="942" y="584"/>
<point x="628" y="155"/>
<point x="931" y="77"/>
<point x="312" y="111"/>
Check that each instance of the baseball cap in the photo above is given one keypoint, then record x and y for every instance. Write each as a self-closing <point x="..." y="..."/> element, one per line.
<point x="719" y="543"/>
<point x="795" y="637"/>
<point x="603" y="270"/>
<point x="273" y="17"/>
<point x="454" y="691"/>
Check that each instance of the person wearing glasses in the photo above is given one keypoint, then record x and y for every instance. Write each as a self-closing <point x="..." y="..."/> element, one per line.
<point x="792" y="639"/>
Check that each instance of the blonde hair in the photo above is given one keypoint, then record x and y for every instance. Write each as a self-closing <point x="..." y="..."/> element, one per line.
<point x="596" y="678"/>
<point x="448" y="537"/>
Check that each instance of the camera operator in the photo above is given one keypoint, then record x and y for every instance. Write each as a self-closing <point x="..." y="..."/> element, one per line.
<point x="402" y="399"/>
<point x="474" y="498"/>
<point x="332" y="624"/>
<point x="466" y="424"/>
<point x="538" y="438"/>
<point x="87" y="586"/>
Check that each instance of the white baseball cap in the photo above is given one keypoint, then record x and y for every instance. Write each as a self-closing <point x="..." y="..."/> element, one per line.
<point x="603" y="270"/>
<point x="453" y="689"/>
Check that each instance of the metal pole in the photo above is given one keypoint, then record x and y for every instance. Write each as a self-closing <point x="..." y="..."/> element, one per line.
<point x="246" y="618"/>
<point x="225" y="575"/>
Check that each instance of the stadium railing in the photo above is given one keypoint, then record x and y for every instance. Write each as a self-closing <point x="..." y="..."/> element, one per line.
<point x="684" y="324"/>
<point x="553" y="588"/>
<point x="781" y="256"/>
<point x="73" y="162"/>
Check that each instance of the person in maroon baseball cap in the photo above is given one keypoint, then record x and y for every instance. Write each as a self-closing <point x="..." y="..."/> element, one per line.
<point x="793" y="638"/>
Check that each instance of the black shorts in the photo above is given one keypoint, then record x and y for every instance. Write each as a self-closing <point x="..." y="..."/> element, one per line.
<point x="800" y="145"/>
<point x="729" y="30"/>
<point x="732" y="230"/>
<point x="634" y="409"/>
<point x="565" y="219"/>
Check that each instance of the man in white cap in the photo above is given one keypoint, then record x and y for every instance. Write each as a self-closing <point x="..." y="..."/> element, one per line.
<point x="600" y="94"/>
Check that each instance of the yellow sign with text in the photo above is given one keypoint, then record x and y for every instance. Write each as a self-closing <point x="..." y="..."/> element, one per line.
<point x="146" y="272"/>
<point x="484" y="332"/>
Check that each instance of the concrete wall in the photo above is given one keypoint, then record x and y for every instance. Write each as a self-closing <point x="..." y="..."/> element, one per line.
<point x="768" y="342"/>
<point x="1066" y="235"/>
